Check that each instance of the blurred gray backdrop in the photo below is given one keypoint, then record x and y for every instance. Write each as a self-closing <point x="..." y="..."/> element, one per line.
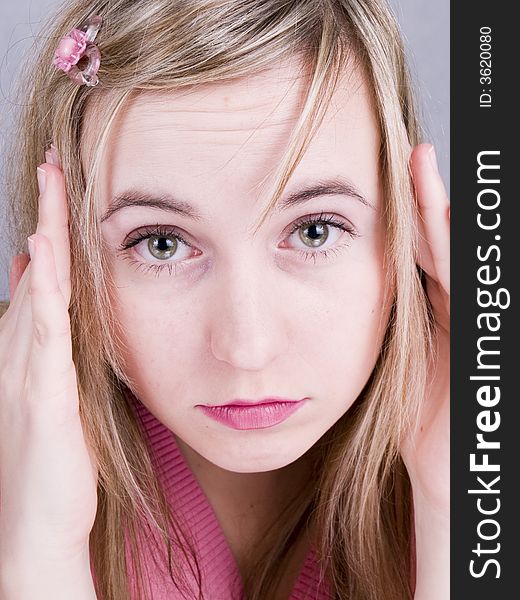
<point x="425" y="26"/>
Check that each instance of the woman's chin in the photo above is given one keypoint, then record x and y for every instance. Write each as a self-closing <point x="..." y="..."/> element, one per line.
<point x="252" y="455"/>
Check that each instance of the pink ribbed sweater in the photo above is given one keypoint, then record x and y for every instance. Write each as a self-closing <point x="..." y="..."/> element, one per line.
<point x="221" y="578"/>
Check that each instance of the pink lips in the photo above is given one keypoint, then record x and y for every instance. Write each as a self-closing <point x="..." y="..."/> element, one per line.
<point x="241" y="414"/>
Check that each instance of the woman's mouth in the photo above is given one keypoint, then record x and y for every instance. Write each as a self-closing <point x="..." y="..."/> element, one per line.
<point x="242" y="414"/>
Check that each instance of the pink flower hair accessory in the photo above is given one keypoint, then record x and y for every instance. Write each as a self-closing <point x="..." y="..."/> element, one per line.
<point x="79" y="42"/>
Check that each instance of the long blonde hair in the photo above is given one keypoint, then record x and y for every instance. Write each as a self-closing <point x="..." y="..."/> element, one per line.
<point x="359" y="504"/>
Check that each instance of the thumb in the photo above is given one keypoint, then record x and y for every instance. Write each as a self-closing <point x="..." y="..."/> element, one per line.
<point x="18" y="266"/>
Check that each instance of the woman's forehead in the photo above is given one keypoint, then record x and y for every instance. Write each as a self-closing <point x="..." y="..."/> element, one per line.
<point x="236" y="130"/>
<point x="256" y="104"/>
<point x="270" y="100"/>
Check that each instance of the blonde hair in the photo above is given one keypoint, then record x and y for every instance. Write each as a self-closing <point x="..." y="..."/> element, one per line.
<point x="359" y="504"/>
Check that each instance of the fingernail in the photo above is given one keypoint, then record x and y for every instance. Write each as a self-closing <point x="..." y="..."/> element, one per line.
<point x="433" y="158"/>
<point x="42" y="179"/>
<point x="51" y="156"/>
<point x="30" y="245"/>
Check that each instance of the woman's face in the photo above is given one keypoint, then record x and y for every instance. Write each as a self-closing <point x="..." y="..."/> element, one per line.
<point x="209" y="310"/>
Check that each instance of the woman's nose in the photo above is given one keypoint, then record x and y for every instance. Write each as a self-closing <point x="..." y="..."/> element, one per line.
<point x="247" y="327"/>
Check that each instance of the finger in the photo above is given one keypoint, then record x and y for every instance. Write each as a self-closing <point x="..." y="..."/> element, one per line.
<point x="18" y="265"/>
<point x="18" y="276"/>
<point x="425" y="258"/>
<point x="51" y="352"/>
<point x="9" y="318"/>
<point x="440" y="301"/>
<point x="16" y="324"/>
<point x="20" y="326"/>
<point x="53" y="221"/>
<point x="434" y="215"/>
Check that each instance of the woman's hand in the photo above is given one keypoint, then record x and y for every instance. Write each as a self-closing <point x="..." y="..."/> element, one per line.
<point x="426" y="451"/>
<point x="48" y="477"/>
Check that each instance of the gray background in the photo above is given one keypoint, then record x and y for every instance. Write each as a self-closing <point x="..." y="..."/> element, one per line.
<point x="425" y="28"/>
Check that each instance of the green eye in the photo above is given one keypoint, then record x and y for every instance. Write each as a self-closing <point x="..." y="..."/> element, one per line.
<point x="162" y="247"/>
<point x="314" y="234"/>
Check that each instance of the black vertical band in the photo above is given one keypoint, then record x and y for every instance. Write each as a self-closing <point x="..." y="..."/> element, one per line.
<point x="485" y="238"/>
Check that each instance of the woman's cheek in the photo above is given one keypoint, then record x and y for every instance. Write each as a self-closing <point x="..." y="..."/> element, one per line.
<point x="356" y="317"/>
<point x="156" y="331"/>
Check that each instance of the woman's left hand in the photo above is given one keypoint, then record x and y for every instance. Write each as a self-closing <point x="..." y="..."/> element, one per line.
<point x="426" y="451"/>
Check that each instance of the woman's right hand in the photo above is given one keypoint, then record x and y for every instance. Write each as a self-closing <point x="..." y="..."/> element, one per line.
<point x="48" y="476"/>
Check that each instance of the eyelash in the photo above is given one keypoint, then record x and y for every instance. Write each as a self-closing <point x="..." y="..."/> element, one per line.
<point x="164" y="231"/>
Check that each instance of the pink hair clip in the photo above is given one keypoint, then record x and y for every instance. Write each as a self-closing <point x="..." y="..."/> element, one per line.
<point x="79" y="42"/>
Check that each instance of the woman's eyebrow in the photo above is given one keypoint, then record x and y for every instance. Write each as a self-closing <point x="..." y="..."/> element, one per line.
<point x="338" y="186"/>
<point x="166" y="202"/>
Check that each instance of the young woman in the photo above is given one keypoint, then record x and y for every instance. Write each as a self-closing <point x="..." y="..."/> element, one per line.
<point x="224" y="370"/>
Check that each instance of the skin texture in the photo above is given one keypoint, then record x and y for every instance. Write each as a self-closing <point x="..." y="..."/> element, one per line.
<point x="246" y="316"/>
<point x="48" y="475"/>
<point x="215" y="323"/>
